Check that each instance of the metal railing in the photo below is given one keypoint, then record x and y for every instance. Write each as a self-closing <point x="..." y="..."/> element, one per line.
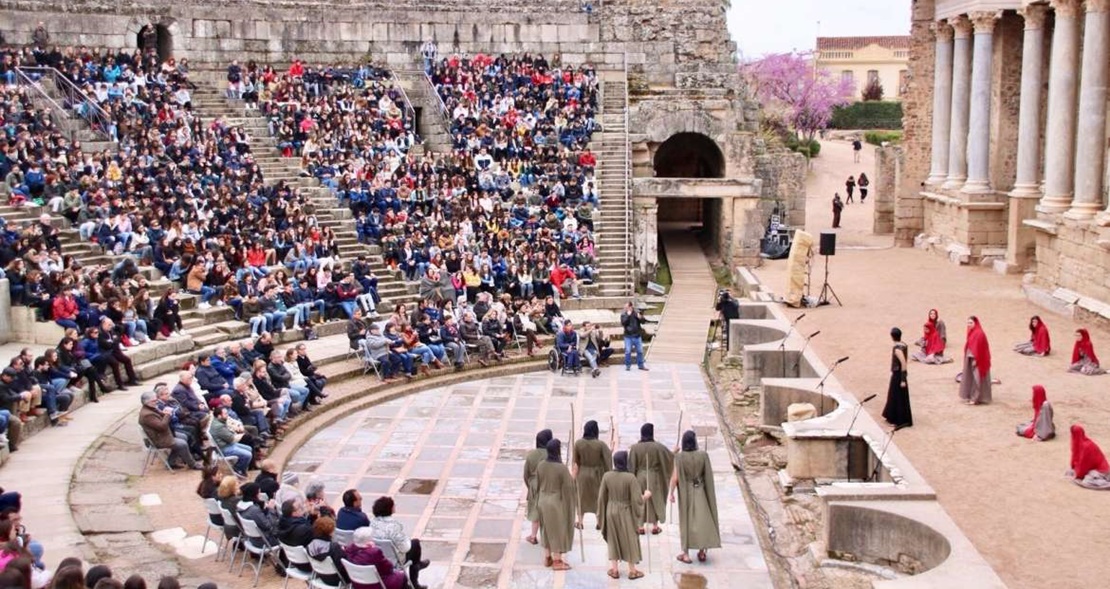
<point x="74" y="99"/>
<point x="439" y="99"/>
<point x="627" y="179"/>
<point x="408" y="110"/>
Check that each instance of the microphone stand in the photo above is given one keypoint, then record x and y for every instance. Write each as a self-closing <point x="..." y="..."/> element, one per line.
<point x="879" y="462"/>
<point x="821" y="385"/>
<point x="798" y="362"/>
<point x="848" y="434"/>
<point x="782" y="346"/>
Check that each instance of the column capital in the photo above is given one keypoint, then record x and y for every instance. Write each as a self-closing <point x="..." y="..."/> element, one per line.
<point x="1098" y="5"/>
<point x="985" y="20"/>
<point x="942" y="30"/>
<point x="1034" y="15"/>
<point x="961" y="26"/>
<point x="1066" y="8"/>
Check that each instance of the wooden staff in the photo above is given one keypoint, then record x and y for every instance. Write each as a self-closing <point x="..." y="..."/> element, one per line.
<point x="581" y="541"/>
<point x="647" y="532"/>
<point x="670" y="505"/>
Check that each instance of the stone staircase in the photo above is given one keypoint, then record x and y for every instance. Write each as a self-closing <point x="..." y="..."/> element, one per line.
<point x="47" y="96"/>
<point x="613" y="219"/>
<point x="431" y="125"/>
<point x="211" y="103"/>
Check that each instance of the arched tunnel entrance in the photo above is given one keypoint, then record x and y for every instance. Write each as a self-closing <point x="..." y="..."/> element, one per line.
<point x="688" y="155"/>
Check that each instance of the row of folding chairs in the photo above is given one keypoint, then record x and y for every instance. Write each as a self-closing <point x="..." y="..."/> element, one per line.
<point x="243" y="536"/>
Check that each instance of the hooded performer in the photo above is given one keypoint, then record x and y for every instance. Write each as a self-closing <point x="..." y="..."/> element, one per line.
<point x="620" y="510"/>
<point x="652" y="463"/>
<point x="556" y="503"/>
<point x="699" y="525"/>
<point x="1083" y="358"/>
<point x="533" y="460"/>
<point x="1041" y="427"/>
<point x="975" y="385"/>
<point x="590" y="460"/>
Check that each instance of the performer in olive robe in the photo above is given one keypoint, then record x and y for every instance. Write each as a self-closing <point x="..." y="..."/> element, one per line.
<point x="590" y="460"/>
<point x="534" y="458"/>
<point x="620" y="510"/>
<point x="652" y="463"/>
<point x="556" y="504"/>
<point x="698" y="524"/>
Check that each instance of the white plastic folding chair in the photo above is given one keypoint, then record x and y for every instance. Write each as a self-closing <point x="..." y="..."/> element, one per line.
<point x="399" y="559"/>
<point x="255" y="544"/>
<point x="325" y="567"/>
<point x="151" y="451"/>
<point x="214" y="515"/>
<point x="363" y="574"/>
<point x="343" y="537"/>
<point x="233" y="533"/>
<point x="297" y="555"/>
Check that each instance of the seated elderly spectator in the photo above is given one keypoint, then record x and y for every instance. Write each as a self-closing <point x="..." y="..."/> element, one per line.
<point x="351" y="516"/>
<point x="229" y="439"/>
<point x="262" y="513"/>
<point x="363" y="552"/>
<point x="157" y="426"/>
<point x="385" y="528"/>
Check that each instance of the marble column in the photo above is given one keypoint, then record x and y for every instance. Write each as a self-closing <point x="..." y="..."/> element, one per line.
<point x="961" y="96"/>
<point x="1090" y="145"/>
<point x="942" y="103"/>
<point x="979" y="122"/>
<point x="1027" y="183"/>
<point x="1063" y="70"/>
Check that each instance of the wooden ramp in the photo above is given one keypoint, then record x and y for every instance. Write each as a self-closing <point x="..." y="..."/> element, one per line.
<point x="684" y="325"/>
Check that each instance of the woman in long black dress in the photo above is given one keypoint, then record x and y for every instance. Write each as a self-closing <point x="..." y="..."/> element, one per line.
<point x="897" y="410"/>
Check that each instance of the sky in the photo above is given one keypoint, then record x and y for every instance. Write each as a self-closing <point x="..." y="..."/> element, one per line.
<point x="775" y="26"/>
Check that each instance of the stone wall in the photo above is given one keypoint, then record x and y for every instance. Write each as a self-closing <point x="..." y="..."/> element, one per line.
<point x="783" y="175"/>
<point x="661" y="42"/>
<point x="1073" y="255"/>
<point x="1005" y="100"/>
<point x="888" y="168"/>
<point x="917" y="109"/>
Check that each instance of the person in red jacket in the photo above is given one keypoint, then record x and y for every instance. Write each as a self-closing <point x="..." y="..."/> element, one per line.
<point x="65" y="310"/>
<point x="587" y="159"/>
<point x="345" y="293"/>
<point x="297" y="69"/>
<point x="563" y="279"/>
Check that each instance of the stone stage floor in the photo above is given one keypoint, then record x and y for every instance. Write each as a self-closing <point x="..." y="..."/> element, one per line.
<point x="452" y="458"/>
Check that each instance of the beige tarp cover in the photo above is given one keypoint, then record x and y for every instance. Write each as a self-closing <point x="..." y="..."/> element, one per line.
<point x="796" y="267"/>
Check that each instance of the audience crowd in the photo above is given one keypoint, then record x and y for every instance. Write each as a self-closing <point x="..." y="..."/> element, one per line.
<point x="495" y="233"/>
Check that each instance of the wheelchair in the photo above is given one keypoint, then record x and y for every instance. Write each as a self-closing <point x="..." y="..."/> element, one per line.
<point x="557" y="362"/>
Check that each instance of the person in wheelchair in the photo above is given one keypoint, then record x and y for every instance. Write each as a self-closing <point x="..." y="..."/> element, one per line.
<point x="567" y="343"/>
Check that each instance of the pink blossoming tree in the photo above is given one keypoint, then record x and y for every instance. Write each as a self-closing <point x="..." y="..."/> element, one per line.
<point x="795" y="95"/>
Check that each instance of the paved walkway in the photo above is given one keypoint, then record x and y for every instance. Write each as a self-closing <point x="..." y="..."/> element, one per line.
<point x="685" y="321"/>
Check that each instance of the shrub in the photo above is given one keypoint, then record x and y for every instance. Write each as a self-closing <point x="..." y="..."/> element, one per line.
<point x="873" y="92"/>
<point x="880" y="137"/>
<point x="812" y="149"/>
<point x="867" y="115"/>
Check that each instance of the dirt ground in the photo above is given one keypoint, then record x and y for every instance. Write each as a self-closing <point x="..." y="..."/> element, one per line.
<point x="1007" y="494"/>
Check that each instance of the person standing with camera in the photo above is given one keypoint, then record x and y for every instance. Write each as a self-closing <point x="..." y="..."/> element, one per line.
<point x="729" y="309"/>
<point x="632" y="320"/>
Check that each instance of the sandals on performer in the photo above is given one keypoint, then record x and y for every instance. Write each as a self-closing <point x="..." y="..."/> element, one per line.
<point x="702" y="556"/>
<point x="578" y="525"/>
<point x="532" y="540"/>
<point x="684" y="558"/>
<point x="656" y="531"/>
<point x="635" y="575"/>
<point x="640" y="531"/>
<point x="560" y="565"/>
<point x="614" y="574"/>
<point x="547" y="561"/>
